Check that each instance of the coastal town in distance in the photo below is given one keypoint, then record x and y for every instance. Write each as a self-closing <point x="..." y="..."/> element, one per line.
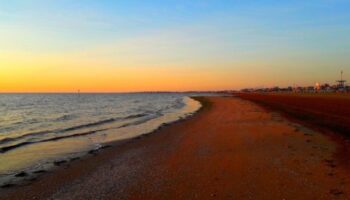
<point x="339" y="86"/>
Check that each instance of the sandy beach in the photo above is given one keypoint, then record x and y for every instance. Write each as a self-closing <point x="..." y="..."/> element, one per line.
<point x="231" y="149"/>
<point x="324" y="110"/>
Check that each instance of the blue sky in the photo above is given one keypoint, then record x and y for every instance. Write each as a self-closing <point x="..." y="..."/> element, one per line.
<point x="283" y="41"/>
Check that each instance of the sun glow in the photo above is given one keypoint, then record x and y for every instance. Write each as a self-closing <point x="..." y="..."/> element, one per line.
<point x="59" y="46"/>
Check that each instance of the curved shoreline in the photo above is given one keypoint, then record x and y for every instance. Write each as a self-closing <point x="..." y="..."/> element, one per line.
<point x="230" y="149"/>
<point x="30" y="174"/>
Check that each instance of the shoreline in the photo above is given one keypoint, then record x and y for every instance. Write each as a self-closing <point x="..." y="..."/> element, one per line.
<point x="30" y="174"/>
<point x="9" y="189"/>
<point x="178" y="160"/>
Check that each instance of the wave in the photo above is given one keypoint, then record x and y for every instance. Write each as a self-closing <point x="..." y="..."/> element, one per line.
<point x="11" y="147"/>
<point x="89" y="125"/>
<point x="73" y="128"/>
<point x="136" y="116"/>
<point x="11" y="139"/>
<point x="65" y="117"/>
<point x="25" y="143"/>
<point x="143" y="115"/>
<point x="140" y="121"/>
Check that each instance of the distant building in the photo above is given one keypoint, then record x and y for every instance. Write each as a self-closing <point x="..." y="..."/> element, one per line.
<point x="347" y="88"/>
<point x="326" y="88"/>
<point x="341" y="83"/>
<point x="317" y="88"/>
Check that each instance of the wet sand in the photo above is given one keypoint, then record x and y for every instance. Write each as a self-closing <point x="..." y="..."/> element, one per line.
<point x="231" y="149"/>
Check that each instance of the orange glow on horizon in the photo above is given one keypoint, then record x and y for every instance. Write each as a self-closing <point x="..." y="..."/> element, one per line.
<point x="27" y="73"/>
<point x="51" y="74"/>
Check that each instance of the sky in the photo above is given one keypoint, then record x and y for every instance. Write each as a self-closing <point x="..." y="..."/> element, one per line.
<point x="171" y="45"/>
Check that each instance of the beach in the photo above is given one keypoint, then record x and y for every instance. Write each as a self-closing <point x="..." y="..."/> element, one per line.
<point x="231" y="149"/>
<point x="324" y="110"/>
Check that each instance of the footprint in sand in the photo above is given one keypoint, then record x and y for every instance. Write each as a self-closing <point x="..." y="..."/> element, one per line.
<point x="330" y="163"/>
<point x="336" y="192"/>
<point x="343" y="181"/>
<point x="330" y="174"/>
<point x="307" y="134"/>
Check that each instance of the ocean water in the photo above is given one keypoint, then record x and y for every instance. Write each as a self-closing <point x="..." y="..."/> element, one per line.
<point x="37" y="130"/>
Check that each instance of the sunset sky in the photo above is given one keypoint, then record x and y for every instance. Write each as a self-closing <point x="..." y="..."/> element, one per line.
<point x="119" y="46"/>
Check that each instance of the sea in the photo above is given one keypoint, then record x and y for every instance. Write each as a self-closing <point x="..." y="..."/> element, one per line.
<point x="38" y="131"/>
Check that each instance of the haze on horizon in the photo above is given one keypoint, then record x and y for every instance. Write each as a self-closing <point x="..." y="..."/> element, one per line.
<point x="172" y="45"/>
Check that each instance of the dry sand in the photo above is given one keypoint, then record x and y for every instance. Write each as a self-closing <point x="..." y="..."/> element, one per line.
<point x="232" y="149"/>
<point x="323" y="110"/>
